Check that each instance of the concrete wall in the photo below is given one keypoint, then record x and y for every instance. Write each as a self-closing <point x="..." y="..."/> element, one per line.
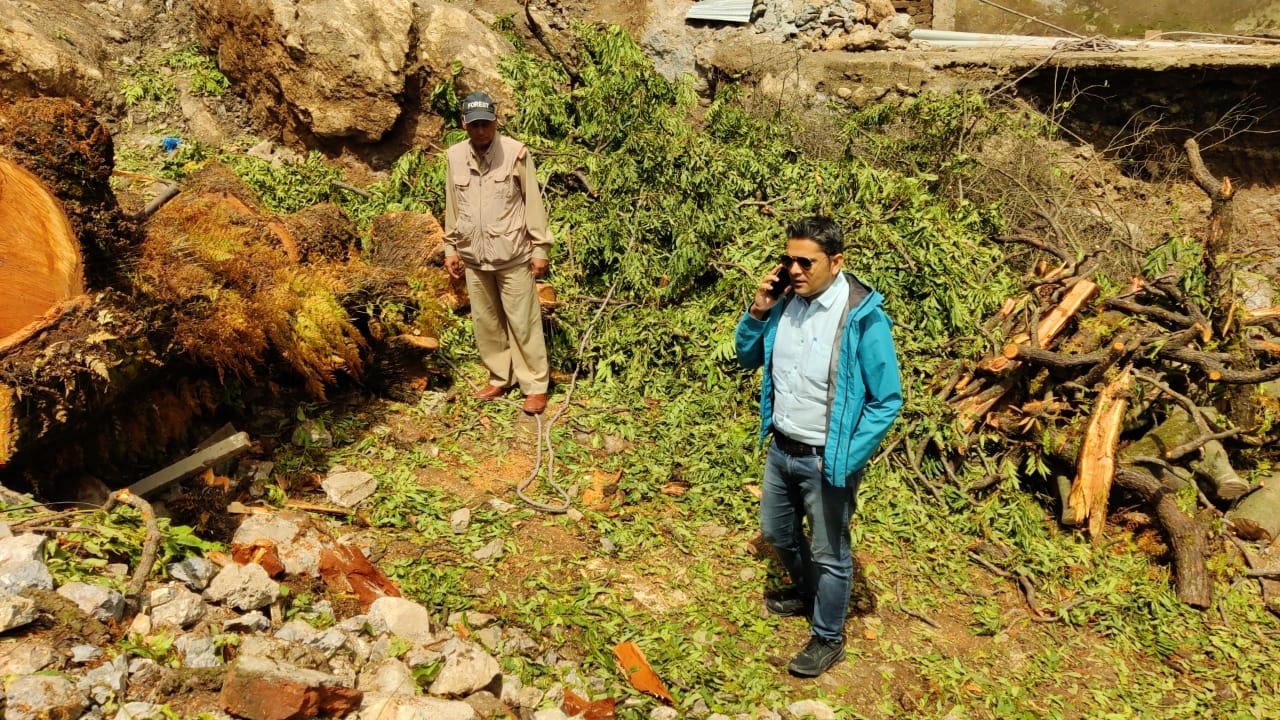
<point x="1119" y="18"/>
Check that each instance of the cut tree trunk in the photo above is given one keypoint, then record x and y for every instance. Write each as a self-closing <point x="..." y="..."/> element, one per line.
<point x="40" y="263"/>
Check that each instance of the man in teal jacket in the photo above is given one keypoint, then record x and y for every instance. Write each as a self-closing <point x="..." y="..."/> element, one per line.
<point x="830" y="391"/>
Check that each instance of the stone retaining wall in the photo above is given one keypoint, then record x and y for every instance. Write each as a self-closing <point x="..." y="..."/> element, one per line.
<point x="921" y="11"/>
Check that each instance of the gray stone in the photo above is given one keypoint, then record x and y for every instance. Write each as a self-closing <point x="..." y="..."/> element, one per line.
<point x="24" y="658"/>
<point x="353" y="624"/>
<point x="490" y="638"/>
<point x="22" y="548"/>
<point x="898" y="25"/>
<point x="460" y="520"/>
<point x="16" y="611"/>
<point x="491" y="551"/>
<point x="296" y="540"/>
<point x="140" y="711"/>
<point x="529" y="697"/>
<point x="486" y="705"/>
<point x="285" y="651"/>
<point x="105" y="682"/>
<point x="81" y="654"/>
<point x="815" y="709"/>
<point x="348" y="489"/>
<point x="249" y="622"/>
<point x="387" y="677"/>
<point x="663" y="713"/>
<point x="518" y="640"/>
<point x="377" y="707"/>
<point x="467" y="668"/>
<point x="243" y="587"/>
<point x="471" y="619"/>
<point x="502" y="507"/>
<point x="98" y="602"/>
<point x="553" y="714"/>
<point x="401" y="617"/>
<point x="175" y="607"/>
<point x="195" y="572"/>
<point x="296" y="631"/>
<point x="40" y="697"/>
<point x="197" y="651"/>
<point x="16" y="577"/>
<point x="511" y="686"/>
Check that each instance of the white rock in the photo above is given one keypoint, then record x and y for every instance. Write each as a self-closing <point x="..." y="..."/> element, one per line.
<point x="348" y="489"/>
<point x="401" y="617"/>
<point x="815" y="709"/>
<point x="22" y="548"/>
<point x="388" y="677"/>
<point x="467" y="668"/>
<point x="243" y="587"/>
<point x="398" y="707"/>
<point x="16" y="611"/>
<point x="98" y="602"/>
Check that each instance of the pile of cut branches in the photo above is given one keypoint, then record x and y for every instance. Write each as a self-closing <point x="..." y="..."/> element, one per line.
<point x="1162" y="388"/>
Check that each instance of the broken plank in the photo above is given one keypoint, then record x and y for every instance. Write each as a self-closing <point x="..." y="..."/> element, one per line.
<point x="192" y="464"/>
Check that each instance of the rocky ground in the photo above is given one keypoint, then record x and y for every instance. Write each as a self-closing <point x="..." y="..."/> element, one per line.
<point x="80" y="649"/>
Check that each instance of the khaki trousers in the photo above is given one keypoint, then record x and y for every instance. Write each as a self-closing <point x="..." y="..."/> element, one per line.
<point x="508" y="325"/>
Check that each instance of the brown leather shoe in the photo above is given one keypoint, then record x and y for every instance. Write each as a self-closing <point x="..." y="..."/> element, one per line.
<point x="535" y="403"/>
<point x="490" y="392"/>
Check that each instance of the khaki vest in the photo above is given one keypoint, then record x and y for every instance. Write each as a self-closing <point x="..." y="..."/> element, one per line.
<point x="490" y="229"/>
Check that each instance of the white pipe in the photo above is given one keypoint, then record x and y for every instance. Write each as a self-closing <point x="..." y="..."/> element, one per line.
<point x="953" y="38"/>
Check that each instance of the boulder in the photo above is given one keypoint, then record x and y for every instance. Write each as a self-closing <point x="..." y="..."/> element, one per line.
<point x="337" y="71"/>
<point x="330" y="68"/>
<point x="59" y="49"/>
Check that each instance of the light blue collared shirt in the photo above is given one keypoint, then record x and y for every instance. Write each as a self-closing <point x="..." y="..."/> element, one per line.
<point x="802" y="363"/>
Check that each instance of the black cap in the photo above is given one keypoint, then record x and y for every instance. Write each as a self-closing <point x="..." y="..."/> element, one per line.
<point x="477" y="106"/>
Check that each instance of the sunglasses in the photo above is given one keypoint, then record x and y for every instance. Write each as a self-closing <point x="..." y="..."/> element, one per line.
<point x="806" y="264"/>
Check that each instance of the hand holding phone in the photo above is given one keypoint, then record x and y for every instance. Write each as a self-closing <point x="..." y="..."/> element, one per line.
<point x="781" y="279"/>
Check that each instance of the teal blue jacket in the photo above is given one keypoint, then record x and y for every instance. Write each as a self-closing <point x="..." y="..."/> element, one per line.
<point x="864" y="390"/>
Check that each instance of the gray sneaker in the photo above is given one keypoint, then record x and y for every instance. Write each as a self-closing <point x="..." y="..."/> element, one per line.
<point x="817" y="657"/>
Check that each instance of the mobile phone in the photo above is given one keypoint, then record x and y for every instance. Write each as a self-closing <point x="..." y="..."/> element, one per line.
<point x="780" y="282"/>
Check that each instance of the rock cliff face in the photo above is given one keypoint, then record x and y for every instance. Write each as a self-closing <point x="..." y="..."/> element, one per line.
<point x="341" y="70"/>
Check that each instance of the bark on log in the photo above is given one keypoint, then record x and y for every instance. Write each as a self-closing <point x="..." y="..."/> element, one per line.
<point x="1186" y="537"/>
<point x="1213" y="465"/>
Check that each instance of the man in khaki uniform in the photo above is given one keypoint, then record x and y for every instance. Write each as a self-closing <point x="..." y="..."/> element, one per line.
<point x="495" y="232"/>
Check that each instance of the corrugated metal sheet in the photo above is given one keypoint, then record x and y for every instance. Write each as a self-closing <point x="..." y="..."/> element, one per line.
<point x="721" y="10"/>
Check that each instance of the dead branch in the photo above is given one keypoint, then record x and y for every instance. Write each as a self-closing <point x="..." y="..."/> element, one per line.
<point x="1210" y="364"/>
<point x="1217" y="190"/>
<point x="1057" y="360"/>
<point x="1197" y="415"/>
<point x="1168" y="316"/>
<point x="1186" y="537"/>
<point x="170" y="191"/>
<point x="133" y="592"/>
<point x="1044" y="245"/>
<point x="1189" y="447"/>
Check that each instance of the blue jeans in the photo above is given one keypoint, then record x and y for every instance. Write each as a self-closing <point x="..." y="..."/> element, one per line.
<point x="820" y="565"/>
